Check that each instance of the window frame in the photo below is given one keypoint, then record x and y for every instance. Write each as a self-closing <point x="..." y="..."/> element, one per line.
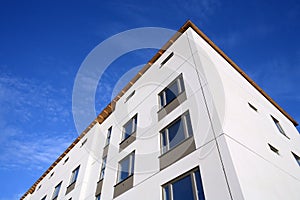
<point x="56" y="191"/>
<point x="297" y="158"/>
<point x="133" y="121"/>
<point x="98" y="197"/>
<point x="131" y="158"/>
<point x="279" y="127"/>
<point x="103" y="166"/>
<point x="192" y="175"/>
<point x="164" y="133"/>
<point x="162" y="95"/>
<point x="108" y="136"/>
<point x="74" y="175"/>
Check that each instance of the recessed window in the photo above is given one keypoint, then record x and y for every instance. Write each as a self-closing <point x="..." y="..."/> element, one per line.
<point x="179" y="130"/>
<point x="188" y="186"/>
<point x="129" y="96"/>
<point x="56" y="191"/>
<point x="251" y="106"/>
<point x="129" y="128"/>
<point x="84" y="141"/>
<point x="279" y="127"/>
<point x="39" y="187"/>
<point x="98" y="197"/>
<point x="126" y="167"/>
<point x="172" y="91"/>
<point x="167" y="59"/>
<point x="44" y="198"/>
<point x="297" y="158"/>
<point x="108" y="136"/>
<point x="66" y="160"/>
<point x="103" y="167"/>
<point x="273" y="149"/>
<point x="51" y="175"/>
<point x="74" y="175"/>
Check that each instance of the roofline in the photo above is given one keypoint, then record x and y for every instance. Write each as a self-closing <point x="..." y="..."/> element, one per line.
<point x="110" y="107"/>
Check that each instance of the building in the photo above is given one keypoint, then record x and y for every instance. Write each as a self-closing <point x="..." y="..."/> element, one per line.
<point x="206" y="131"/>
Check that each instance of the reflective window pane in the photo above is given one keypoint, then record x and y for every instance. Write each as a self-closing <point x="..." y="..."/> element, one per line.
<point x="183" y="189"/>
<point x="172" y="92"/>
<point x="176" y="133"/>
<point x="166" y="193"/>
<point x="199" y="186"/>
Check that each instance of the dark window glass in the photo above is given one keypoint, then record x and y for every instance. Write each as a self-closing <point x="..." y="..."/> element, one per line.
<point x="130" y="127"/>
<point x="126" y="167"/>
<point x="172" y="92"/>
<point x="199" y="191"/>
<point x="183" y="189"/>
<point x="166" y="193"/>
<point x="176" y="133"/>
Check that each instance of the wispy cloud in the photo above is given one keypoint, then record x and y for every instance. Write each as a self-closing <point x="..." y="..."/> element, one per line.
<point x="35" y="123"/>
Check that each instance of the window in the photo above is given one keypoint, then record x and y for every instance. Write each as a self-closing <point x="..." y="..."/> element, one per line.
<point x="171" y="91"/>
<point x="167" y="59"/>
<point x="274" y="149"/>
<point x="98" y="197"/>
<point x="51" y="175"/>
<point x="39" y="187"/>
<point x="188" y="187"/>
<point x="108" y="136"/>
<point x="176" y="132"/>
<point x="84" y="141"/>
<point x="129" y="127"/>
<point x="297" y="158"/>
<point x="103" y="168"/>
<point x="66" y="160"/>
<point x="56" y="191"/>
<point x="126" y="167"/>
<point x="74" y="175"/>
<point x="251" y="106"/>
<point x="129" y="96"/>
<point x="44" y="198"/>
<point x="278" y="126"/>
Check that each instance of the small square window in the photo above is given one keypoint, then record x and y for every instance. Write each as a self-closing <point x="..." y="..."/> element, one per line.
<point x="251" y="106"/>
<point x="44" y="198"/>
<point x="297" y="158"/>
<point x="274" y="149"/>
<point x="126" y="167"/>
<point x="130" y="127"/>
<point x="84" y="141"/>
<point x="167" y="59"/>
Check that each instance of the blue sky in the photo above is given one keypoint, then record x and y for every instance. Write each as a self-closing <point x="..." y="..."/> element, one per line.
<point x="43" y="43"/>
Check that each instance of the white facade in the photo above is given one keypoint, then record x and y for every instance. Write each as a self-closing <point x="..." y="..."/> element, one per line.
<point x="230" y="142"/>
